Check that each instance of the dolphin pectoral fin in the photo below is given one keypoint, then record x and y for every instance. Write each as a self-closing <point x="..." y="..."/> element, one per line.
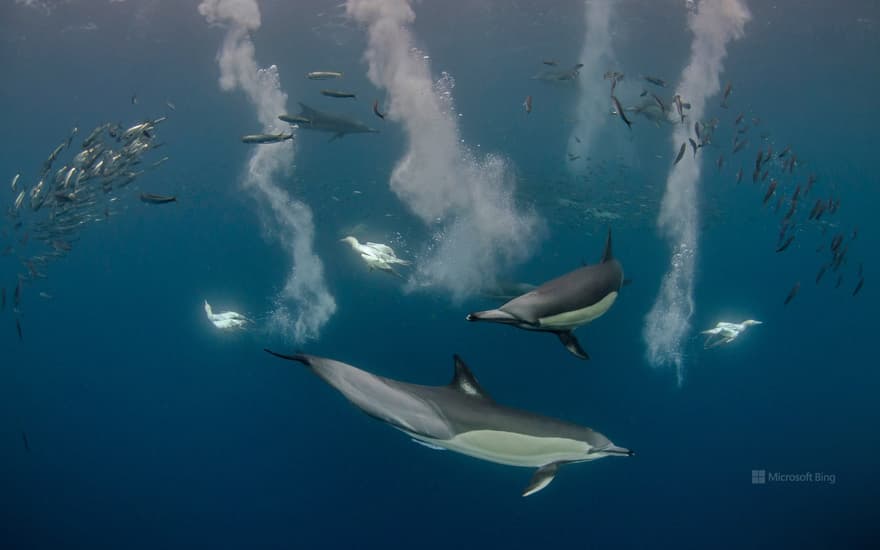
<point x="542" y="478"/>
<point x="493" y="315"/>
<point x="570" y="341"/>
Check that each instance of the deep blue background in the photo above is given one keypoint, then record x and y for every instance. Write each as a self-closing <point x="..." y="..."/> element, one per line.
<point x="149" y="429"/>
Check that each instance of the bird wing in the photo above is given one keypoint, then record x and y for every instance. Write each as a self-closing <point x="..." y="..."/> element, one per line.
<point x="382" y="248"/>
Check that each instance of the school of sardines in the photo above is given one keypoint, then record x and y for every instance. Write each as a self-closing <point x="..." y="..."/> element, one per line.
<point x="76" y="187"/>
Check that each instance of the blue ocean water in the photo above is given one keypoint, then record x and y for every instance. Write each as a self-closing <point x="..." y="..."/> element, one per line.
<point x="148" y="428"/>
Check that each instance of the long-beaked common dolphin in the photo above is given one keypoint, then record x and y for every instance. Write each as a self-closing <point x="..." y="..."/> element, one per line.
<point x="565" y="303"/>
<point x="339" y="125"/>
<point x="461" y="417"/>
<point x="553" y="75"/>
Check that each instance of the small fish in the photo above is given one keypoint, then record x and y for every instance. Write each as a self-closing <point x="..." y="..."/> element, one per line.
<point x="814" y="210"/>
<point x="170" y="105"/>
<point x="73" y="133"/>
<point x="644" y="93"/>
<point x="621" y="112"/>
<point x="680" y="153"/>
<point x="572" y="158"/>
<point x="821" y="273"/>
<point x="18" y="329"/>
<point x="860" y="269"/>
<point x="727" y="89"/>
<point x="739" y="118"/>
<point x="839" y="281"/>
<point x="785" y="151"/>
<point x="835" y="243"/>
<point x="764" y="175"/>
<point x="24" y="439"/>
<point x="855" y="233"/>
<point x="16" y="296"/>
<point x="134" y="99"/>
<point x="835" y="206"/>
<point x="376" y="110"/>
<point x="791" y="210"/>
<point x="157" y="199"/>
<point x="15" y="182"/>
<point x="786" y="244"/>
<point x="577" y="139"/>
<point x="45" y="296"/>
<point x="697" y="129"/>
<point x="779" y="203"/>
<point x="655" y="81"/>
<point x="720" y="162"/>
<point x="550" y="62"/>
<point x="739" y="175"/>
<point x="770" y="190"/>
<point x="527" y="104"/>
<point x="792" y="293"/>
<point x="694" y="146"/>
<point x="858" y="286"/>
<point x="739" y="146"/>
<point x="678" y="106"/>
<point x="839" y="258"/>
<point x="323" y="75"/>
<point x="298" y="119"/>
<point x="266" y="138"/>
<point x="338" y="93"/>
<point x="659" y="102"/>
<point x="810" y="181"/>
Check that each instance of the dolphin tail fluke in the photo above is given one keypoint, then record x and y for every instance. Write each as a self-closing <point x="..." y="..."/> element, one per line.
<point x="493" y="315"/>
<point x="542" y="478"/>
<point x="298" y="357"/>
<point x="607" y="254"/>
<point x="570" y="341"/>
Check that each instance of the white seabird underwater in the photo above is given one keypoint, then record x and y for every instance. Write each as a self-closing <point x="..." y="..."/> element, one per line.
<point x="227" y="320"/>
<point x="725" y="333"/>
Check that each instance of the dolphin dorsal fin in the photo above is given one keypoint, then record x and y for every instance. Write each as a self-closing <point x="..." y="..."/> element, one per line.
<point x="305" y="110"/>
<point x="464" y="380"/>
<point x="607" y="255"/>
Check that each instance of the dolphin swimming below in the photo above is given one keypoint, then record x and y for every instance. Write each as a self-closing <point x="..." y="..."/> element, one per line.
<point x="339" y="125"/>
<point x="555" y="75"/>
<point x="461" y="417"/>
<point x="565" y="303"/>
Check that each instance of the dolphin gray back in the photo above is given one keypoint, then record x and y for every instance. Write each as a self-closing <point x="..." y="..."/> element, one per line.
<point x="381" y="398"/>
<point x="575" y="290"/>
<point x="331" y="122"/>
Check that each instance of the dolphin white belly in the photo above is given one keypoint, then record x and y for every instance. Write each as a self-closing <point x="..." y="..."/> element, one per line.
<point x="570" y="319"/>
<point x="512" y="448"/>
